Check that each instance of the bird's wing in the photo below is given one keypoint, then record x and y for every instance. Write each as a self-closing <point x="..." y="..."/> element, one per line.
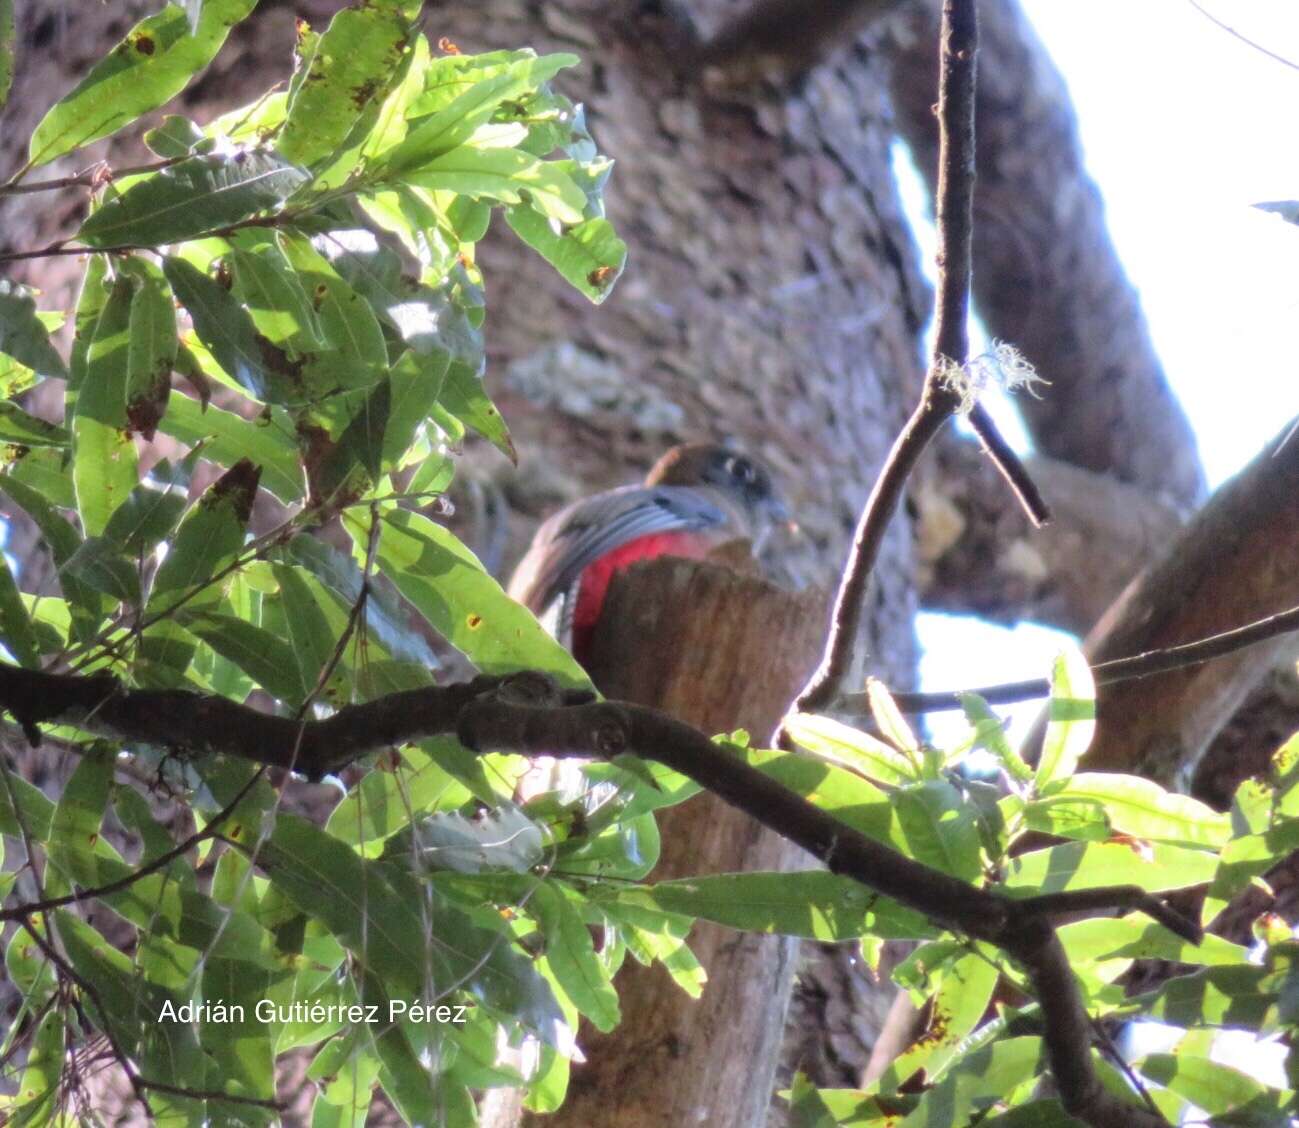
<point x="579" y="535"/>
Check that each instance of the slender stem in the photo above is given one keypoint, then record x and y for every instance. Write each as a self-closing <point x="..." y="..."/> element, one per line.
<point x="938" y="402"/>
<point x="1244" y="39"/>
<point x="1129" y="668"/>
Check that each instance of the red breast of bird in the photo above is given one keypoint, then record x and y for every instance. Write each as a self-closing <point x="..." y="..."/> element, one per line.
<point x="696" y="497"/>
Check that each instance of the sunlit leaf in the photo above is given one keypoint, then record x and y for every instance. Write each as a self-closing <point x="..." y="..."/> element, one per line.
<point x="152" y="63"/>
<point x="448" y="585"/>
<point x="1071" y="718"/>
<point x="572" y="956"/>
<point x="1153" y="867"/>
<point x="352" y="64"/>
<point x="198" y="195"/>
<point x="229" y="438"/>
<point x="104" y="465"/>
<point x="508" y="176"/>
<point x="589" y="256"/>
<point x="457" y="115"/>
<point x="208" y="539"/>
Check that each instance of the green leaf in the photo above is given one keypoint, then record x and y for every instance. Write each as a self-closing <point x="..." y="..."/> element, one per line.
<point x="1218" y="1089"/>
<point x="1123" y="939"/>
<point x="589" y="256"/>
<point x="448" y="586"/>
<point x="186" y="200"/>
<point x="850" y="748"/>
<point x="498" y="838"/>
<point x="978" y="1081"/>
<point x="384" y="918"/>
<point x="1239" y="996"/>
<point x="16" y="426"/>
<point x="383" y="803"/>
<point x="464" y="395"/>
<point x="99" y="564"/>
<point x="354" y="64"/>
<point x="104" y="465"/>
<point x="152" y="352"/>
<point x="131" y="1006"/>
<point x="455" y="121"/>
<point x="306" y="629"/>
<point x="86" y="604"/>
<point x="226" y="330"/>
<point x="273" y="293"/>
<point x="1072" y="718"/>
<point x="813" y="904"/>
<point x="845" y="795"/>
<point x="228" y="439"/>
<point x="1090" y="865"/>
<point x="153" y="509"/>
<point x="265" y="658"/>
<point x="990" y="734"/>
<point x="576" y="965"/>
<point x="509" y="176"/>
<point x="390" y="125"/>
<point x="346" y="319"/>
<point x="22" y="334"/>
<point x="385" y="618"/>
<point x="939" y="828"/>
<point x="17" y="633"/>
<point x="958" y="1005"/>
<point x="150" y="65"/>
<point x="1143" y="809"/>
<point x="175" y="137"/>
<point x="39" y="1091"/>
<point x="74" y="829"/>
<point x="208" y="539"/>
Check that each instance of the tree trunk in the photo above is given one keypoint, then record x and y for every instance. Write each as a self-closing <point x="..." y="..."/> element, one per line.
<point x="721" y="651"/>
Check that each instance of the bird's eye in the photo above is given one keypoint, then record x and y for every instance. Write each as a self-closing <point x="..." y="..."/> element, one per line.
<point x="742" y="469"/>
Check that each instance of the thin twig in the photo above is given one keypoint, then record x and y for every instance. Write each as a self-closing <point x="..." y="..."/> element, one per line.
<point x="22" y="911"/>
<point x="1130" y="668"/>
<point x="938" y="401"/>
<point x="1244" y="39"/>
<point x="59" y="247"/>
<point x="1012" y="469"/>
<point x="98" y="173"/>
<point x="88" y="989"/>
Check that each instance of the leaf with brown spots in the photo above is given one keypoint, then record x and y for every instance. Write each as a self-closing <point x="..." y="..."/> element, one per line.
<point x="134" y="79"/>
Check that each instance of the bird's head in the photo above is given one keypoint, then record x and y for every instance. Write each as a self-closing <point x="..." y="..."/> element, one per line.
<point x="742" y="482"/>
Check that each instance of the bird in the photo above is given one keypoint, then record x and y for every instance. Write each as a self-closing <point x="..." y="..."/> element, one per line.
<point x="697" y="497"/>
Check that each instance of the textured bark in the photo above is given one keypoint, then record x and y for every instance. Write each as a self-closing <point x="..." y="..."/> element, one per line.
<point x="979" y="555"/>
<point x="721" y="651"/>
<point x="1046" y="277"/>
<point x="1233" y="564"/>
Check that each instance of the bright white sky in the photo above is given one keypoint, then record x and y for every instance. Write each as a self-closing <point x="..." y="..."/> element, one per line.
<point x="1183" y="128"/>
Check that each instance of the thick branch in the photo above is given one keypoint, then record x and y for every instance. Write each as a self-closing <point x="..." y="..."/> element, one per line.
<point x="1231" y="565"/>
<point x="1020" y="928"/>
<point x="527" y="713"/>
<point x="176" y="718"/>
